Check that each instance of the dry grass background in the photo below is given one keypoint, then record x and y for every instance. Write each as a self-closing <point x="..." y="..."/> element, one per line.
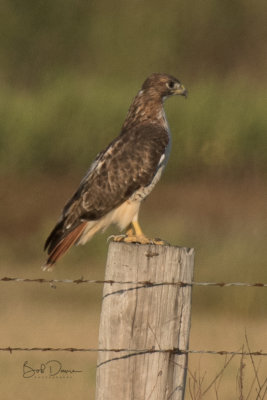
<point x="226" y="223"/>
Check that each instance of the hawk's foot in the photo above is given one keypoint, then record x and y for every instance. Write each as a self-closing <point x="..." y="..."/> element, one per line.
<point x="136" y="235"/>
<point x="142" y="239"/>
<point x="130" y="239"/>
<point x="160" y="242"/>
<point x="116" y="238"/>
<point x="136" y="239"/>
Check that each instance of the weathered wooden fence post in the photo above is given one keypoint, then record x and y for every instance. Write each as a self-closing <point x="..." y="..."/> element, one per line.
<point x="139" y="316"/>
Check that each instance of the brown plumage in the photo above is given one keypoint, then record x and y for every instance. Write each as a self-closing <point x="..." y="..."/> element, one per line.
<point x="122" y="175"/>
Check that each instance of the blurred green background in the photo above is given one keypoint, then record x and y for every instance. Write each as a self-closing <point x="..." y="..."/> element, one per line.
<point x="69" y="70"/>
<point x="68" y="73"/>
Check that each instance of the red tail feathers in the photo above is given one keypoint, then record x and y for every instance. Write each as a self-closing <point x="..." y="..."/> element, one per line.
<point x="63" y="246"/>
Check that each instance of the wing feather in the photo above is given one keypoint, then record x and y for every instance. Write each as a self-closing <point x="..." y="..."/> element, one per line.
<point x="127" y="164"/>
<point x="130" y="162"/>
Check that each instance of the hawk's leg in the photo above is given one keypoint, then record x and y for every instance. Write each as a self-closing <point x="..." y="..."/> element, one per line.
<point x="139" y="236"/>
<point x="135" y="235"/>
<point x="129" y="232"/>
<point x="121" y="238"/>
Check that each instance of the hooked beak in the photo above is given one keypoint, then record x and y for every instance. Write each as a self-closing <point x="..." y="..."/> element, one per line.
<point x="181" y="90"/>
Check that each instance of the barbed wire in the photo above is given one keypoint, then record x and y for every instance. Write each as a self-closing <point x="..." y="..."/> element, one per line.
<point x="148" y="283"/>
<point x="136" y="351"/>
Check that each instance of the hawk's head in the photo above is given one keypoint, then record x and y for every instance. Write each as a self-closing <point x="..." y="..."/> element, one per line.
<point x="163" y="85"/>
<point x="147" y="106"/>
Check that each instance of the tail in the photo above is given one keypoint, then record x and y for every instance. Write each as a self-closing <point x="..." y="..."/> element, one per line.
<point x="59" y="242"/>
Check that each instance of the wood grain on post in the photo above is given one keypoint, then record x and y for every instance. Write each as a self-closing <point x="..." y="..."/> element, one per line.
<point x="144" y="317"/>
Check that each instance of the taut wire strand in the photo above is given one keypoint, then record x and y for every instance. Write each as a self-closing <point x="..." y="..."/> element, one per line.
<point x="146" y="283"/>
<point x="137" y="351"/>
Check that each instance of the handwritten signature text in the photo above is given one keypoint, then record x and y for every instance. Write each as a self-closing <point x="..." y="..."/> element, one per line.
<point x="49" y="369"/>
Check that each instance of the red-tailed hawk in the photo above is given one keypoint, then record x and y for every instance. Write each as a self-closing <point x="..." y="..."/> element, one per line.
<point x="122" y="175"/>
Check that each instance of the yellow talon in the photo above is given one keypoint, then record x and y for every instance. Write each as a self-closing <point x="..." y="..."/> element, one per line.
<point x="159" y="242"/>
<point x="138" y="237"/>
<point x="116" y="238"/>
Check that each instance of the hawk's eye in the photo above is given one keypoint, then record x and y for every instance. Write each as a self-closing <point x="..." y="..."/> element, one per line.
<point x="170" y="84"/>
